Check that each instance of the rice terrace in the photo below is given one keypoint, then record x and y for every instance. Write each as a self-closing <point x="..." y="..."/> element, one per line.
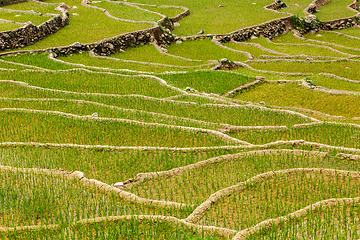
<point x="169" y="119"/>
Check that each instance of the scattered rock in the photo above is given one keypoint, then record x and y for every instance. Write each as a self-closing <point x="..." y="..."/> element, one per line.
<point x="75" y="14"/>
<point x="17" y="15"/>
<point x="189" y="89"/>
<point x="220" y="5"/>
<point x="253" y="37"/>
<point x="74" y="7"/>
<point x="319" y="35"/>
<point x="95" y="114"/>
<point x="178" y="42"/>
<point x="176" y="24"/>
<point x="119" y="185"/>
<point x="296" y="5"/>
<point x="201" y="31"/>
<point x="77" y="44"/>
<point x="254" y="3"/>
<point x="262" y="103"/>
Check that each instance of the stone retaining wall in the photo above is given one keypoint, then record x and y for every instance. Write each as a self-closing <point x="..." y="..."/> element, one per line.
<point x="315" y="6"/>
<point x="8" y="2"/>
<point x="30" y="33"/>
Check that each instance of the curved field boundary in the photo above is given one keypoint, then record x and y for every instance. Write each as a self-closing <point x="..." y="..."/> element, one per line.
<point x="215" y="198"/>
<point x="218" y="43"/>
<point x="292" y="143"/>
<point x="316" y="88"/>
<point x="262" y="48"/>
<point x="127" y="197"/>
<point x="314" y="45"/>
<point x="164" y="51"/>
<point x="328" y="43"/>
<point x="315" y="6"/>
<point x="140" y="177"/>
<point x="321" y="114"/>
<point x="221" y="232"/>
<point x="295" y="216"/>
<point x="340" y="78"/>
<point x="189" y="129"/>
<point x="106" y="12"/>
<point x="244" y="87"/>
<point x="352" y="157"/>
<point x="125" y="110"/>
<point x="92" y="54"/>
<point x="343" y="34"/>
<point x="243" y="64"/>
<point x="9" y="21"/>
<point x="29" y="33"/>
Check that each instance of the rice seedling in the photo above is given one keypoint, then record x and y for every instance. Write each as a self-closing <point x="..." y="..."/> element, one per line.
<point x="297" y="96"/>
<point x="203" y="50"/>
<point x="105" y="165"/>
<point x="339" y="221"/>
<point x="86" y="60"/>
<point x="90" y="21"/>
<point x="330" y="134"/>
<point x="127" y="12"/>
<point x="335" y="39"/>
<point x="218" y="82"/>
<point x="278" y="197"/>
<point x="148" y="53"/>
<point x="197" y="184"/>
<point x="334" y="10"/>
<point x="296" y="49"/>
<point x="20" y="126"/>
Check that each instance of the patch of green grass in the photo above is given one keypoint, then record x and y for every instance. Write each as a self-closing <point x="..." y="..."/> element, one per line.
<point x="90" y="21"/>
<point x="218" y="82"/>
<point x="352" y="31"/>
<point x="39" y="199"/>
<point x="127" y="12"/>
<point x="167" y="11"/>
<point x="23" y="17"/>
<point x="248" y="48"/>
<point x="341" y="68"/>
<point x="296" y="7"/>
<point x="86" y="60"/>
<point x="148" y="53"/>
<point x="41" y="127"/>
<point x="6" y="26"/>
<point x="217" y="20"/>
<point x="196" y="185"/>
<point x="289" y="38"/>
<point x="334" y="38"/>
<point x="296" y="49"/>
<point x="335" y="9"/>
<point x="204" y="50"/>
<point x="278" y="197"/>
<point x="104" y="165"/>
<point x="28" y="6"/>
<point x="241" y="116"/>
<point x="37" y="60"/>
<point x="292" y="95"/>
<point x="334" y="135"/>
<point x="340" y="221"/>
<point x="85" y="82"/>
<point x="334" y="83"/>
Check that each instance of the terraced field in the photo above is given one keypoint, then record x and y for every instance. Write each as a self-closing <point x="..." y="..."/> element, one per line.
<point x="170" y="119"/>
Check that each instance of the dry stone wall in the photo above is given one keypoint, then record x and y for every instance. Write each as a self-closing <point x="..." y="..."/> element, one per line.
<point x="30" y="33"/>
<point x="270" y="29"/>
<point x="8" y="2"/>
